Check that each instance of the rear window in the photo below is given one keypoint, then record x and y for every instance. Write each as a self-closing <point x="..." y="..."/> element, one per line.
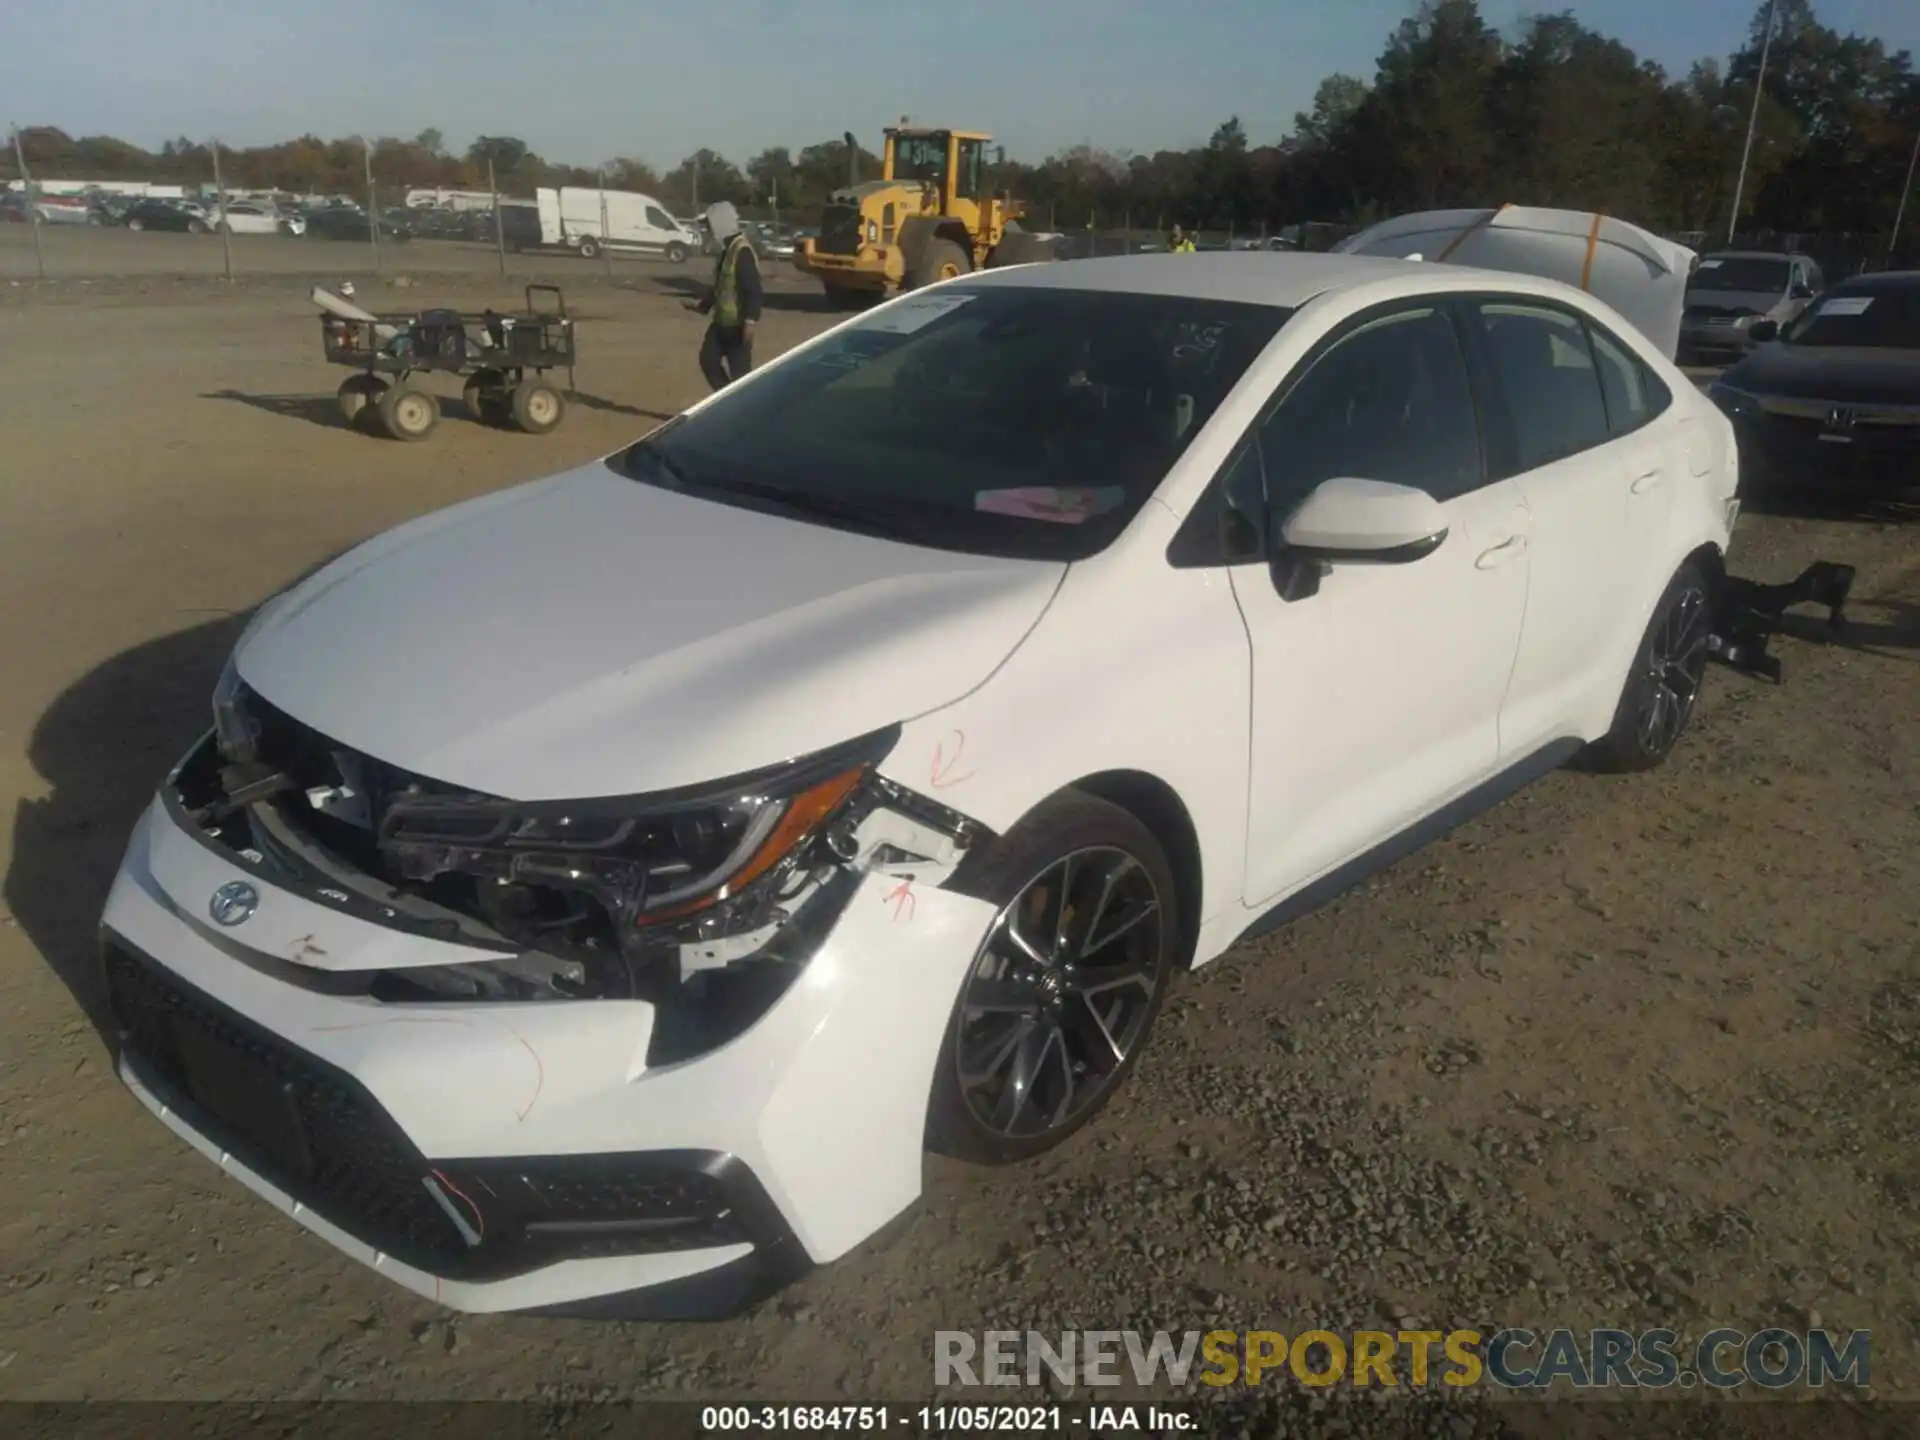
<point x="1031" y="422"/>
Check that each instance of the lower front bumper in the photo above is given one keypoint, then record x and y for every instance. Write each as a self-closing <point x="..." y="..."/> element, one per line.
<point x="508" y="1157"/>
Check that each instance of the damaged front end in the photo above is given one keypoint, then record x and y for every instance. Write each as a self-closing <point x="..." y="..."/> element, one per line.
<point x="706" y="903"/>
<point x="1748" y="614"/>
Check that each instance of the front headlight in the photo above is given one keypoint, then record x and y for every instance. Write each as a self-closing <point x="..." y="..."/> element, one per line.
<point x="660" y="869"/>
<point x="236" y="731"/>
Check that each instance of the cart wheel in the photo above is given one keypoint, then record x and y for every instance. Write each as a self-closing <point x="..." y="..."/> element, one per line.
<point x="356" y="393"/>
<point x="408" y="414"/>
<point x="483" y="398"/>
<point x="537" y="406"/>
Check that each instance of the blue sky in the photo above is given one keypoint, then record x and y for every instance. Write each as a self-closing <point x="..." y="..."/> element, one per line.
<point x="586" y="80"/>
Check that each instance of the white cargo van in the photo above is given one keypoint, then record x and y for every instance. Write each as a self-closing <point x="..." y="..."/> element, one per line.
<point x="586" y="220"/>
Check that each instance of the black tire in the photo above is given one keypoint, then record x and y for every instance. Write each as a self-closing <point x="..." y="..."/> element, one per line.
<point x="538" y="407"/>
<point x="356" y="393"/>
<point x="1026" y="1004"/>
<point x="407" y="413"/>
<point x="1663" y="684"/>
<point x="676" y="254"/>
<point x="587" y="247"/>
<point x="939" y="260"/>
<point x="483" y="398"/>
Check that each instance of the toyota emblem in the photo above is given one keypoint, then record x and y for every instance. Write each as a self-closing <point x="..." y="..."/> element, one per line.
<point x="233" y="903"/>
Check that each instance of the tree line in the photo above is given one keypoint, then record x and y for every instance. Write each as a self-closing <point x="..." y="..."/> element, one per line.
<point x="1456" y="114"/>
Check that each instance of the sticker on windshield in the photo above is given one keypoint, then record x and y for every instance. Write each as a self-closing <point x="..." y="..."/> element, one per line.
<point x="915" y="314"/>
<point x="1709" y="264"/>
<point x="1846" y="305"/>
<point x="1062" y="506"/>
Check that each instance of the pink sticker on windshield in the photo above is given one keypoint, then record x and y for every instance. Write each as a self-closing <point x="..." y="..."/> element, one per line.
<point x="1049" y="502"/>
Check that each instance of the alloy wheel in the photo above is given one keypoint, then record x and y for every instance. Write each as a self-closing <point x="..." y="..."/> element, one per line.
<point x="1676" y="661"/>
<point x="1060" y="993"/>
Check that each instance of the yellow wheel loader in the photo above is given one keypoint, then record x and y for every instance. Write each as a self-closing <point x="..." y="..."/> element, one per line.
<point x="929" y="217"/>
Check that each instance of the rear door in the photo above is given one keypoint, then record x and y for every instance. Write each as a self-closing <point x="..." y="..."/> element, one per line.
<point x="1555" y="440"/>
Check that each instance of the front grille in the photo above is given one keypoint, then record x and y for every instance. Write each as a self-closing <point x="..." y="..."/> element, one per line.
<point x="316" y="1133"/>
<point x="839" y="229"/>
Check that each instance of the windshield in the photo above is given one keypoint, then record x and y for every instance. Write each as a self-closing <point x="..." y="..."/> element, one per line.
<point x="1881" y="317"/>
<point x="1741" y="272"/>
<point x="1030" y="422"/>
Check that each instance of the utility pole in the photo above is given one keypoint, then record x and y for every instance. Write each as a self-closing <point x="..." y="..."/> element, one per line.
<point x="373" y="204"/>
<point x="33" y="210"/>
<point x="1753" y="119"/>
<point x="220" y="208"/>
<point x="1905" y="191"/>
<point x="499" y="229"/>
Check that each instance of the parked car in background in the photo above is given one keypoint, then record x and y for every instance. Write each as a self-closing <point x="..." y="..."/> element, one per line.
<point x="257" y="217"/>
<point x="1729" y="293"/>
<point x="344" y="222"/>
<point x="150" y="214"/>
<point x="1831" y="400"/>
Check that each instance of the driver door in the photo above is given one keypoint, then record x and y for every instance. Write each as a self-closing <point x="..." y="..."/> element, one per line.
<point x="1376" y="699"/>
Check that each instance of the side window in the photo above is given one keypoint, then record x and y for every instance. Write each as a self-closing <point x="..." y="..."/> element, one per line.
<point x="1552" y="386"/>
<point x="1634" y="395"/>
<point x="657" y="218"/>
<point x="1391" y="401"/>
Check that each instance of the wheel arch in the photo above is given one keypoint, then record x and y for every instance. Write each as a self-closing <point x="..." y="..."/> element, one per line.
<point x="1158" y="806"/>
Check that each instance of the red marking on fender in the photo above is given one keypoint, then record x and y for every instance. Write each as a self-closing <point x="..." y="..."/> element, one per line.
<point x="540" y="1077"/>
<point x="901" y="898"/>
<point x="942" y="776"/>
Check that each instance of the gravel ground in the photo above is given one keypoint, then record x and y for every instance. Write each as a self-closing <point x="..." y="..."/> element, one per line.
<point x="1624" y="1052"/>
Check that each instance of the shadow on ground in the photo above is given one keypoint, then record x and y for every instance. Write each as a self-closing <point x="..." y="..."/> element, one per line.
<point x="101" y="748"/>
<point x="324" y="410"/>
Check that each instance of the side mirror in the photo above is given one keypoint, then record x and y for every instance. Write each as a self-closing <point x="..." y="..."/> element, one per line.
<point x="1800" y="292"/>
<point x="1761" y="331"/>
<point x="1349" y="521"/>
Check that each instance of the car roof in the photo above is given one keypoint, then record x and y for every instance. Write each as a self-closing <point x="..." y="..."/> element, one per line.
<point x="1286" y="279"/>
<point x="1882" y="280"/>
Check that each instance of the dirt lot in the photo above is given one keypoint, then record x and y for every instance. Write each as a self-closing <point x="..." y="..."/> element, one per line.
<point x="1621" y="1052"/>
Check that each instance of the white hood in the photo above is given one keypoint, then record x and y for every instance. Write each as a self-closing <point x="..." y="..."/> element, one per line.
<point x="594" y="635"/>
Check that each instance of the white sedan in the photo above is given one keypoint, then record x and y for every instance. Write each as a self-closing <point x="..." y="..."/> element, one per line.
<point x="253" y="217"/>
<point x="878" y="739"/>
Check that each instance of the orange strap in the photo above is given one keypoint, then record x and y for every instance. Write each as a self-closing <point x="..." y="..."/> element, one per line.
<point x="1480" y="224"/>
<point x="1593" y="243"/>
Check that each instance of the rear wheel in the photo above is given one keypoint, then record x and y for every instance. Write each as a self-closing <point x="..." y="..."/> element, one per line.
<point x="537" y="407"/>
<point x="1664" y="683"/>
<point x="356" y="393"/>
<point x="1065" y="985"/>
<point x="407" y="413"/>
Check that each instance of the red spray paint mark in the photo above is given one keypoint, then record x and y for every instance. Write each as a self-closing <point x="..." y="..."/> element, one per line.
<point x="944" y="766"/>
<point x="901" y="898"/>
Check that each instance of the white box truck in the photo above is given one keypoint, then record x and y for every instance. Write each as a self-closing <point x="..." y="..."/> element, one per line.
<point x="586" y="220"/>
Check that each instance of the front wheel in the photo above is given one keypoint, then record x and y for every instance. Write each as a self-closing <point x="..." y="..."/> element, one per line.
<point x="1664" y="684"/>
<point x="356" y="393"/>
<point x="537" y="407"/>
<point x="676" y="254"/>
<point x="1065" y="985"/>
<point x="196" y="227"/>
<point x="136" y="224"/>
<point x="587" y="247"/>
<point x="407" y="413"/>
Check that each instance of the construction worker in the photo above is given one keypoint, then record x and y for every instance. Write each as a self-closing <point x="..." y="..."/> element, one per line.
<point x="726" y="354"/>
<point x="1178" y="243"/>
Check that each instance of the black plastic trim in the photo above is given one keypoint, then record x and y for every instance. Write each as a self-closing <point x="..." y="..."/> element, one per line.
<point x="1416" y="836"/>
<point x="777" y="1256"/>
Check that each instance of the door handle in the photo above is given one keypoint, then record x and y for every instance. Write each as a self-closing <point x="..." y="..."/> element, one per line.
<point x="1643" y="483"/>
<point x="1500" y="554"/>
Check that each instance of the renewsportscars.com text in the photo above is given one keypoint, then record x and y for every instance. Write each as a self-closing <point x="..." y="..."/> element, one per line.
<point x="1513" y="1359"/>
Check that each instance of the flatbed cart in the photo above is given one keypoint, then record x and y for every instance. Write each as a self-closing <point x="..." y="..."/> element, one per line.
<point x="506" y="359"/>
